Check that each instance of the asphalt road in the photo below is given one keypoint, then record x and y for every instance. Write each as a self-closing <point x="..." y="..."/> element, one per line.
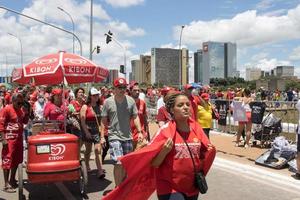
<point x="227" y="180"/>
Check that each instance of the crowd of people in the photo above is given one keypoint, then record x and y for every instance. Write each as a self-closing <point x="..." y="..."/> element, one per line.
<point x="115" y="121"/>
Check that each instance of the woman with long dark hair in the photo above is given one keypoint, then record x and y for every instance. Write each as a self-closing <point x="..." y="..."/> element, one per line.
<point x="90" y="117"/>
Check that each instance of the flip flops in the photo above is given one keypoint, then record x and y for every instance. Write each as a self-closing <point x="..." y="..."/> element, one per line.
<point x="9" y="189"/>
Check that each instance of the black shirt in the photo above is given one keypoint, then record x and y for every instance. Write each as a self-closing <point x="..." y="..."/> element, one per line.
<point x="258" y="110"/>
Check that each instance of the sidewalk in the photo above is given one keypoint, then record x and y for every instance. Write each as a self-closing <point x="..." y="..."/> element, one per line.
<point x="226" y="150"/>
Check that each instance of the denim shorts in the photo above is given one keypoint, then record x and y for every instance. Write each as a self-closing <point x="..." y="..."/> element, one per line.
<point x="119" y="148"/>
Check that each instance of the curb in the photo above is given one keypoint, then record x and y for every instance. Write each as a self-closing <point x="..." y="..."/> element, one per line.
<point x="259" y="174"/>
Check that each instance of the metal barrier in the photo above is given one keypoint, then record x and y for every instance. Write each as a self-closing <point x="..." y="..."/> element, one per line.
<point x="285" y="110"/>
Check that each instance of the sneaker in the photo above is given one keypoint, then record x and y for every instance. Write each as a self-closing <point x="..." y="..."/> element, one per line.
<point x="237" y="144"/>
<point x="247" y="146"/>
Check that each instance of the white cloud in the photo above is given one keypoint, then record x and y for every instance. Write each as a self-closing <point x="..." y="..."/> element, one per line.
<point x="259" y="56"/>
<point x="276" y="12"/>
<point x="124" y="30"/>
<point x="265" y="4"/>
<point x="264" y="64"/>
<point x="39" y="39"/>
<point x="246" y="29"/>
<point x="295" y="55"/>
<point x="124" y="3"/>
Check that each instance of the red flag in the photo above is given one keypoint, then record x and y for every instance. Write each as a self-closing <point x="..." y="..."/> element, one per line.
<point x="140" y="182"/>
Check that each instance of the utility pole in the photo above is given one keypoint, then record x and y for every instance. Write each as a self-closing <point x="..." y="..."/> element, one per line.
<point x="91" y="31"/>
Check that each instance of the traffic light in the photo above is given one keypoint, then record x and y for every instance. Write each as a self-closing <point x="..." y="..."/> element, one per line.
<point x="98" y="49"/>
<point x="122" y="69"/>
<point x="108" y="37"/>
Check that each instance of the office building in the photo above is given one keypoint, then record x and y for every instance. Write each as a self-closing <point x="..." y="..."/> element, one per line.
<point x="169" y="66"/>
<point x="198" y="71"/>
<point x="136" y="70"/>
<point x="141" y="69"/>
<point x="253" y="74"/>
<point x="215" y="60"/>
<point x="113" y="74"/>
<point x="284" y="71"/>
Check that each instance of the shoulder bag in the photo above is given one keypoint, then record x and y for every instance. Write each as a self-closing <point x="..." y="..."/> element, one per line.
<point x="200" y="181"/>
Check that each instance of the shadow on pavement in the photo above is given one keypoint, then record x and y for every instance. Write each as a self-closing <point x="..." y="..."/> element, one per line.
<point x="42" y="191"/>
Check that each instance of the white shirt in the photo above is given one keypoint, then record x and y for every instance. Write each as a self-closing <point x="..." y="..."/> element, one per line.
<point x="160" y="103"/>
<point x="142" y="96"/>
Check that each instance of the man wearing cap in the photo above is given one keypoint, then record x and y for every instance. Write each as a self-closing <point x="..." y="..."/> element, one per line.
<point x="194" y="100"/>
<point x="119" y="110"/>
<point x="142" y="114"/>
<point x="12" y="119"/>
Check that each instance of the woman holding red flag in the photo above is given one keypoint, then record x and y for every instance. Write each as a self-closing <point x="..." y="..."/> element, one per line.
<point x="166" y="163"/>
<point x="175" y="170"/>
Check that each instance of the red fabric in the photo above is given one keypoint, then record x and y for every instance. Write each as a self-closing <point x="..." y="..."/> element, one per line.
<point x="163" y="115"/>
<point x="177" y="172"/>
<point x="89" y="114"/>
<point x="7" y="98"/>
<point x="11" y="123"/>
<point x="248" y="115"/>
<point x="53" y="112"/>
<point x="141" y="106"/>
<point x="195" y="101"/>
<point x="76" y="105"/>
<point x="140" y="182"/>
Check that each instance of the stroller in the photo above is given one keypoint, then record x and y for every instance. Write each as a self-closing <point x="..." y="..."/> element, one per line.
<point x="269" y="130"/>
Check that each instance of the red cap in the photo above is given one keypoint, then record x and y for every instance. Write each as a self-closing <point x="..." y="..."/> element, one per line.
<point x="120" y="82"/>
<point x="188" y="86"/>
<point x="56" y="91"/>
<point x="165" y="90"/>
<point x="205" y="96"/>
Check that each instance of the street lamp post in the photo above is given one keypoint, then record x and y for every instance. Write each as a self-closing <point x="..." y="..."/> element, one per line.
<point x="180" y="57"/>
<point x="73" y="26"/>
<point x="91" y="31"/>
<point x="21" y="47"/>
<point x="13" y="11"/>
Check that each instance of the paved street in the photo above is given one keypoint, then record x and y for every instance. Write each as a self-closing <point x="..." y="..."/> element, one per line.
<point x="233" y="176"/>
<point x="225" y="182"/>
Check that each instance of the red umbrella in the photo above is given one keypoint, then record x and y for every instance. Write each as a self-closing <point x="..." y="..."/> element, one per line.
<point x="18" y="76"/>
<point x="53" y="68"/>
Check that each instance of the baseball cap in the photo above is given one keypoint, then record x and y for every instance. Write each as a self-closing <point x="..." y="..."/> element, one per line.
<point x="205" y="96"/>
<point x="188" y="86"/>
<point x="56" y="91"/>
<point x="120" y="82"/>
<point x="165" y="90"/>
<point x="94" y="91"/>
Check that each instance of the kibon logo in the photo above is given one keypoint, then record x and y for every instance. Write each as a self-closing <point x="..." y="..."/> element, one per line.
<point x="76" y="61"/>
<point x="57" y="149"/>
<point x="46" y="61"/>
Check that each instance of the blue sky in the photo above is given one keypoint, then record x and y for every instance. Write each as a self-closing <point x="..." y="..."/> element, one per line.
<point x="266" y="31"/>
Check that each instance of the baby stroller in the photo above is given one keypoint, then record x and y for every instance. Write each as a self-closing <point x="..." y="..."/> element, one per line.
<point x="269" y="130"/>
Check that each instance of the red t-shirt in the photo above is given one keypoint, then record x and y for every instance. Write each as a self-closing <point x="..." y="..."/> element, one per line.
<point x="11" y="123"/>
<point x="195" y="101"/>
<point x="7" y="98"/>
<point x="76" y="105"/>
<point x="176" y="173"/>
<point x="142" y="112"/>
<point x="53" y="112"/>
<point x="89" y="114"/>
<point x="163" y="115"/>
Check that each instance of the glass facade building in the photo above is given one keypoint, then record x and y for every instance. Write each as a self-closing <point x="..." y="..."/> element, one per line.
<point x="215" y="60"/>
